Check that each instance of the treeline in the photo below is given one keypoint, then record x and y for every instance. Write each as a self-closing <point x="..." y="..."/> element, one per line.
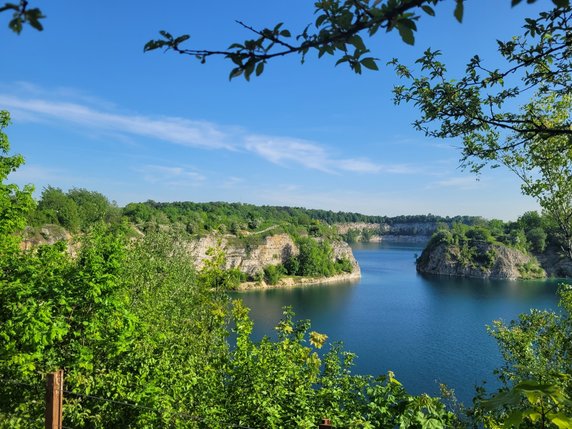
<point x="531" y="233"/>
<point x="78" y="208"/>
<point x="407" y="225"/>
<point x="75" y="210"/>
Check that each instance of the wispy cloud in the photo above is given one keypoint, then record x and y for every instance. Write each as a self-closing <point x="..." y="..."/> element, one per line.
<point x="463" y="183"/>
<point x="171" y="176"/>
<point x="180" y="131"/>
<point x="232" y="182"/>
<point x="93" y="116"/>
<point x="284" y="150"/>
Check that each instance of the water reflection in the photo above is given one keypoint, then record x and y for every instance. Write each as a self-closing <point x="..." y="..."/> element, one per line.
<point x="490" y="289"/>
<point x="315" y="302"/>
<point x="425" y="328"/>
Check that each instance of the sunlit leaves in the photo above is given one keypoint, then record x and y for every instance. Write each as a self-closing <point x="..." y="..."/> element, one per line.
<point x="477" y="108"/>
<point x="536" y="349"/>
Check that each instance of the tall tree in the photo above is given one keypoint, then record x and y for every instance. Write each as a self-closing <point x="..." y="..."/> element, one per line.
<point x="534" y="139"/>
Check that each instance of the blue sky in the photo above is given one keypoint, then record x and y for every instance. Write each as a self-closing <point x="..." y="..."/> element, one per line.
<point x="91" y="110"/>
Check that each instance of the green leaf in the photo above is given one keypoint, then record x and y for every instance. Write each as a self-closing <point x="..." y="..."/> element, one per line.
<point x="406" y="34"/>
<point x="235" y="72"/>
<point x="285" y="33"/>
<point x="182" y="38"/>
<point x="428" y="10"/>
<point x="504" y="398"/>
<point x="369" y="63"/>
<point x="459" y="9"/>
<point x="357" y="41"/>
<point x="36" y="24"/>
<point x="561" y="420"/>
<point x="16" y="25"/>
<point x="320" y="20"/>
<point x="514" y="419"/>
<point x="561" y="3"/>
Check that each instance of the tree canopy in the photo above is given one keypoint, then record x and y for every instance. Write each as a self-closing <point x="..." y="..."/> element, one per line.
<point x="519" y="116"/>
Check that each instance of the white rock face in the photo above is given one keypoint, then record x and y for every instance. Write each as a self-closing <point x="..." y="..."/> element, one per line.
<point x="274" y="249"/>
<point x="446" y="260"/>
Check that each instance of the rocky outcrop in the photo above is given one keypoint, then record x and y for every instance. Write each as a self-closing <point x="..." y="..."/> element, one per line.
<point x="274" y="249"/>
<point x="484" y="261"/>
<point x="556" y="263"/>
<point x="47" y="234"/>
<point x="249" y="256"/>
<point x="412" y="232"/>
<point x="425" y="229"/>
<point x="343" y="228"/>
<point x="302" y="281"/>
<point x="251" y="259"/>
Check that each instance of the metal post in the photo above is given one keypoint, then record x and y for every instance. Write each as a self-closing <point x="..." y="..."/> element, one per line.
<point x="54" y="399"/>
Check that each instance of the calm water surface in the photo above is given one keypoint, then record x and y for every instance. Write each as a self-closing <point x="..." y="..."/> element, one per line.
<point x="428" y="330"/>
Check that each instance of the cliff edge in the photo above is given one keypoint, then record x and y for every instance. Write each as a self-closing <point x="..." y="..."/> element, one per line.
<point x="482" y="260"/>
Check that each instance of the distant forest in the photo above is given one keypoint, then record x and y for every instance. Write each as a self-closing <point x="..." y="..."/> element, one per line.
<point x="77" y="209"/>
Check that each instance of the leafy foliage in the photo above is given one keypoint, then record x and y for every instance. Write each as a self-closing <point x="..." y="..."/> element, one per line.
<point x="536" y="375"/>
<point x="534" y="141"/>
<point x="315" y="259"/>
<point x="22" y="14"/>
<point x="341" y="29"/>
<point x="286" y="383"/>
<point x="76" y="210"/>
<point x="15" y="203"/>
<point x="474" y="246"/>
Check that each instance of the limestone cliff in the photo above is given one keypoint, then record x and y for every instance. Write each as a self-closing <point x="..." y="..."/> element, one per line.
<point x="274" y="249"/>
<point x="412" y="232"/>
<point x="251" y="259"/>
<point x="486" y="260"/>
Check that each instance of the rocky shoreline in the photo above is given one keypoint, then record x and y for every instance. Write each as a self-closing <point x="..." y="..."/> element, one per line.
<point x="290" y="282"/>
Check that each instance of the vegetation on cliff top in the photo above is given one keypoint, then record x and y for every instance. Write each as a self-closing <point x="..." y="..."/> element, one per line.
<point x="474" y="246"/>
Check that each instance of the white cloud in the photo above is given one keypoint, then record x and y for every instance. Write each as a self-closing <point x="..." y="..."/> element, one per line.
<point x="232" y="181"/>
<point x="93" y="116"/>
<point x="172" y="176"/>
<point x="359" y="166"/>
<point x="282" y="150"/>
<point x="180" y="131"/>
<point x="286" y="150"/>
<point x="463" y="183"/>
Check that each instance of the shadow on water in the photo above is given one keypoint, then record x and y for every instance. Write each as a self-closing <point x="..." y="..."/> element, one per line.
<point x="315" y="302"/>
<point x="492" y="289"/>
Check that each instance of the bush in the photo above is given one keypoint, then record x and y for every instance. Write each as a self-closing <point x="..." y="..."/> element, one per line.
<point x="273" y="273"/>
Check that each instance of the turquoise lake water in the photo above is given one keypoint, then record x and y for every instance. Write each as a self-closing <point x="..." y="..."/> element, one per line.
<point x="428" y="330"/>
